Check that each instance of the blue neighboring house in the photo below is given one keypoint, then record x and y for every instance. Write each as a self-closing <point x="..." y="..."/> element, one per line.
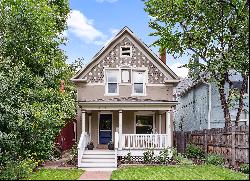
<point x="200" y="107"/>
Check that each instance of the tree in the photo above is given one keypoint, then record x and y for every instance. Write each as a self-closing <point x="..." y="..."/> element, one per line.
<point x="214" y="32"/>
<point x="32" y="108"/>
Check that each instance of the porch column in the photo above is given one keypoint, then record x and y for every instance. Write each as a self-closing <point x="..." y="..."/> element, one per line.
<point x="120" y="130"/>
<point x="160" y="118"/>
<point x="168" y="129"/>
<point x="83" y="121"/>
<point x="90" y="117"/>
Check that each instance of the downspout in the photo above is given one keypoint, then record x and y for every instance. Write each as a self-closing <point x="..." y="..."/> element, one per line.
<point x="209" y="104"/>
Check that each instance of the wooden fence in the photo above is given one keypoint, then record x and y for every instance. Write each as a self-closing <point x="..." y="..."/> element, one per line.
<point x="232" y="143"/>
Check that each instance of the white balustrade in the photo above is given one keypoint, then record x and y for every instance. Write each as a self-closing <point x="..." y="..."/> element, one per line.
<point x="144" y="141"/>
<point x="84" y="140"/>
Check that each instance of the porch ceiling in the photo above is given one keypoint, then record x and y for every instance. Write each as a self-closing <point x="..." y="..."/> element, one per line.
<point x="168" y="105"/>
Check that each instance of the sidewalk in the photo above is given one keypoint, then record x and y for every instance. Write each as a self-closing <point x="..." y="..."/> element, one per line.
<point x="95" y="175"/>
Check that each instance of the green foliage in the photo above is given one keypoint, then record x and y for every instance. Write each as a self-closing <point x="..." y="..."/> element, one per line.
<point x="148" y="156"/>
<point x="194" y="151"/>
<point x="164" y="156"/>
<point x="73" y="154"/>
<point x="56" y="174"/>
<point x="214" y="159"/>
<point x="244" y="168"/>
<point x="180" y="158"/>
<point x="214" y="33"/>
<point x="15" y="170"/>
<point x="180" y="172"/>
<point x="128" y="157"/>
<point x="32" y="109"/>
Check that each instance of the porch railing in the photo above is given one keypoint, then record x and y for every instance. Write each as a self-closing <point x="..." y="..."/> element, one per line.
<point x="84" y="139"/>
<point x="144" y="141"/>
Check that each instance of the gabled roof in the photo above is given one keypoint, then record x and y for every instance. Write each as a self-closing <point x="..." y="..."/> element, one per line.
<point x="124" y="31"/>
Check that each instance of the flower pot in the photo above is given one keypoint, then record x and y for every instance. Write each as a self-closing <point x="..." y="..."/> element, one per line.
<point x="90" y="147"/>
<point x="111" y="146"/>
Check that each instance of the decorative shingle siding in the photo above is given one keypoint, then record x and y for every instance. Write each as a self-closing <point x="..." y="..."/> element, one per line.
<point x="113" y="60"/>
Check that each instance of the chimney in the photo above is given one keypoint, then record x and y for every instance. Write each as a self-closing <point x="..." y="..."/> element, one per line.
<point x="163" y="56"/>
<point x="62" y="86"/>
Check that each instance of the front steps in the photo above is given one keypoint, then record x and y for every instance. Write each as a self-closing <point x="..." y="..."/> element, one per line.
<point x="98" y="160"/>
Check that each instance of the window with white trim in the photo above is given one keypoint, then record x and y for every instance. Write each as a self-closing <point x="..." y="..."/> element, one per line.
<point x="139" y="82"/>
<point x="144" y="124"/>
<point x="125" y="51"/>
<point x="112" y="81"/>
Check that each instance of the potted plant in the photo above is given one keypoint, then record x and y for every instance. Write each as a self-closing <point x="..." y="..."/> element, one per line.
<point x="90" y="145"/>
<point x="111" y="145"/>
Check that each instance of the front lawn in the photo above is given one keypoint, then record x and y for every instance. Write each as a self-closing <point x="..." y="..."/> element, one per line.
<point x="182" y="172"/>
<point x="56" y="174"/>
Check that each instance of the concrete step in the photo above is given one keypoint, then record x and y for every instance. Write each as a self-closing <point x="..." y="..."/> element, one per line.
<point x="98" y="169"/>
<point x="99" y="152"/>
<point x="98" y="160"/>
<point x="91" y="156"/>
<point x="98" y="165"/>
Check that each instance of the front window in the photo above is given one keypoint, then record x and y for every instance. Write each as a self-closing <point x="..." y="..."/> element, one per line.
<point x="138" y="82"/>
<point x="144" y="124"/>
<point x="112" y="81"/>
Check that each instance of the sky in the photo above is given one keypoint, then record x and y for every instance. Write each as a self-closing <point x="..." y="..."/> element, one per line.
<point x="93" y="23"/>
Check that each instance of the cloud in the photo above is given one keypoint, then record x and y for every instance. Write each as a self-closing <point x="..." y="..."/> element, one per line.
<point x="181" y="72"/>
<point x="109" y="1"/>
<point x="113" y="33"/>
<point x="83" y="28"/>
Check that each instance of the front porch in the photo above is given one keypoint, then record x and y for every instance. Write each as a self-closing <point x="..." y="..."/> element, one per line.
<point x="133" y="129"/>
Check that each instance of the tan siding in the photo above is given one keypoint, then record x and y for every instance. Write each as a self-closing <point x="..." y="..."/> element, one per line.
<point x="90" y="92"/>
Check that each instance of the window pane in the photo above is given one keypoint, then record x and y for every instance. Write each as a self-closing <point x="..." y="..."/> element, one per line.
<point x="144" y="124"/>
<point x="112" y="76"/>
<point x="138" y="87"/>
<point x="112" y="87"/>
<point x="138" y="77"/>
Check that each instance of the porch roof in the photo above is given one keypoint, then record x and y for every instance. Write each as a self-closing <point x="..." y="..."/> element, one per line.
<point x="127" y="104"/>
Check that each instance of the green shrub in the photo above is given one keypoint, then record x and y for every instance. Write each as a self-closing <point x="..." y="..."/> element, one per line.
<point x="244" y="168"/>
<point x="15" y="170"/>
<point x="148" y="156"/>
<point x="73" y="153"/>
<point x="180" y="158"/>
<point x="128" y="157"/>
<point x="215" y="159"/>
<point x="194" y="151"/>
<point x="163" y="156"/>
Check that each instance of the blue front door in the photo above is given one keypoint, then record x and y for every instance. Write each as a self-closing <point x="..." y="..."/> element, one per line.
<point x="105" y="128"/>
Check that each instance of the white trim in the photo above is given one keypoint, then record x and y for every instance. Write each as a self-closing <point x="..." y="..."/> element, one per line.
<point x="144" y="113"/>
<point x="104" y="112"/>
<point x="145" y="80"/>
<point x="106" y="81"/>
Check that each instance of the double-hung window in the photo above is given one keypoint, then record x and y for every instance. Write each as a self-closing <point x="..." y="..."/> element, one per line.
<point x="112" y="82"/>
<point x="139" y="83"/>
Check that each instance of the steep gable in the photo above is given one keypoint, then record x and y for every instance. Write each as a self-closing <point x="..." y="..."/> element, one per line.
<point x="142" y="57"/>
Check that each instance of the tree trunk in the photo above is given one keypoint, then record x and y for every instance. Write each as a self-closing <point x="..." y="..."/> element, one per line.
<point x="225" y="106"/>
<point x="243" y="87"/>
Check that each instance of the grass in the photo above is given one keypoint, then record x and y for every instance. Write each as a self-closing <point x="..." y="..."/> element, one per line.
<point x="182" y="172"/>
<point x="56" y="174"/>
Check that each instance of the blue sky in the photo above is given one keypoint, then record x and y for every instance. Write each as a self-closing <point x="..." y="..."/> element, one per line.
<point x="92" y="23"/>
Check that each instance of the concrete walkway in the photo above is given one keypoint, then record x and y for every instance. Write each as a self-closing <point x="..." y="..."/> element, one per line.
<point x="95" y="175"/>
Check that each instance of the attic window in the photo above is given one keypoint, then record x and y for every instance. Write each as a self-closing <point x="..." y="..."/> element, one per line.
<point x="126" y="51"/>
